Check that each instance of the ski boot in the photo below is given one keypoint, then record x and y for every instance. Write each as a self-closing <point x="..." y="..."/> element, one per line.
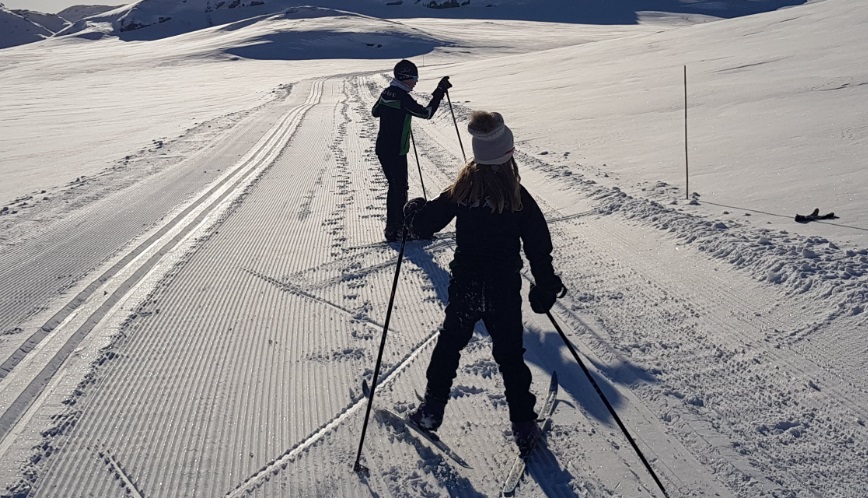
<point x="429" y="415"/>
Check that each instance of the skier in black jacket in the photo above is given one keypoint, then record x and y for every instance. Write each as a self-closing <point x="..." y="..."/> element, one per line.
<point x="495" y="216"/>
<point x="395" y="107"/>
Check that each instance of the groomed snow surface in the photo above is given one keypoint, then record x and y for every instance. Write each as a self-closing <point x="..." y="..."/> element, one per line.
<point x="194" y="287"/>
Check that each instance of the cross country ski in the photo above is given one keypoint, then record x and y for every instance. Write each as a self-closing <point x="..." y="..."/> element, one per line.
<point x="520" y="463"/>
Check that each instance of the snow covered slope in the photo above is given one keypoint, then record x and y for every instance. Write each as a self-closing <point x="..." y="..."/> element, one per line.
<point x="51" y="22"/>
<point x="194" y="283"/>
<point x="18" y="30"/>
<point x="77" y="12"/>
<point x="152" y="19"/>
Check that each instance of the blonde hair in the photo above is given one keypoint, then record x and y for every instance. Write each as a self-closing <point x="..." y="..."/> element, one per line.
<point x="497" y="185"/>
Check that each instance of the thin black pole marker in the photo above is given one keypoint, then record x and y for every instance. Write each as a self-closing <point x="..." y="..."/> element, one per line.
<point x="606" y="402"/>
<point x="456" y="125"/>
<point x="686" y="167"/>
<point x="358" y="467"/>
<point x="422" y="181"/>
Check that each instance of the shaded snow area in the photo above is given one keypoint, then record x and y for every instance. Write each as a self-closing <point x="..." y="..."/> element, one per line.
<point x="18" y="29"/>
<point x="194" y="285"/>
<point x="21" y="26"/>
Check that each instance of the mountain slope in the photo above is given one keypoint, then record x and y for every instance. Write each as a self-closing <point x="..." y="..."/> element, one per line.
<point x="79" y="12"/>
<point x="152" y="19"/>
<point x="18" y="31"/>
<point x="51" y="22"/>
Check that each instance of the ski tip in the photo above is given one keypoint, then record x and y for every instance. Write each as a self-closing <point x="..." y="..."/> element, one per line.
<point x="460" y="461"/>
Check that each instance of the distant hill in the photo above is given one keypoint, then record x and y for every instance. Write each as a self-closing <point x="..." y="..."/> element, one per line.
<point x="18" y="30"/>
<point x="154" y="19"/>
<point x="51" y="22"/>
<point x="78" y="12"/>
<point x="22" y="26"/>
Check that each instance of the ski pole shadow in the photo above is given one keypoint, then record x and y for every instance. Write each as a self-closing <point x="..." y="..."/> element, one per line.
<point x="550" y="476"/>
<point x="364" y="478"/>
<point x="552" y="354"/>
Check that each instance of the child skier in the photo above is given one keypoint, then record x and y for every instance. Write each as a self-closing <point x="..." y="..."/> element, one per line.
<point x="495" y="216"/>
<point x="395" y="108"/>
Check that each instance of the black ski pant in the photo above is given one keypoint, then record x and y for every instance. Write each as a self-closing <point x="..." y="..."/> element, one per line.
<point x="496" y="300"/>
<point x="395" y="169"/>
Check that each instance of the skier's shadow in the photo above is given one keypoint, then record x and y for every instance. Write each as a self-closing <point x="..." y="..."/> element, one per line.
<point x="551" y="354"/>
<point x="424" y="261"/>
<point x="436" y="464"/>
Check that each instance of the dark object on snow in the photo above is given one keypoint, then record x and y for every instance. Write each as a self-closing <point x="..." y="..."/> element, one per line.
<point x="801" y="218"/>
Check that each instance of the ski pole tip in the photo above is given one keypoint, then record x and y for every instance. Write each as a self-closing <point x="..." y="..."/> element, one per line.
<point x="360" y="469"/>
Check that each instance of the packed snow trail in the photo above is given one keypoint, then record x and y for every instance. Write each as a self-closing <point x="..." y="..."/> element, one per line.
<point x="239" y="370"/>
<point x="87" y="308"/>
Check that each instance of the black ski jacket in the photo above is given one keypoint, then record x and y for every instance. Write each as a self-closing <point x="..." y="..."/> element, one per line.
<point x="395" y="108"/>
<point x="489" y="242"/>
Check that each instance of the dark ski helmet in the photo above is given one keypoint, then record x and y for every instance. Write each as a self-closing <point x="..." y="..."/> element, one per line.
<point x="406" y="70"/>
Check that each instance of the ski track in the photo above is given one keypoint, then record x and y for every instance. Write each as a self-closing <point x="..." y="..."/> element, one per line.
<point x="46" y="262"/>
<point x="733" y="330"/>
<point x="25" y="389"/>
<point x="199" y="392"/>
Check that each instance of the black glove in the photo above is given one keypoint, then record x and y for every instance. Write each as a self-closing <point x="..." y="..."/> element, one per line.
<point x="413" y="206"/>
<point x="543" y="298"/>
<point x="444" y="84"/>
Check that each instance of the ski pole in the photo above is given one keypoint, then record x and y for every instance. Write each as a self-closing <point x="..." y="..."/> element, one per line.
<point x="606" y="402"/>
<point x="358" y="467"/>
<point x="422" y="181"/>
<point x="455" y="122"/>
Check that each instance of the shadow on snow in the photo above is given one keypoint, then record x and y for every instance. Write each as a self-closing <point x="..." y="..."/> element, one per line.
<point x="551" y="353"/>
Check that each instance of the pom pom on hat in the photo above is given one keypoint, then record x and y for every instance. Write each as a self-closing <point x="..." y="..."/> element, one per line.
<point x="492" y="139"/>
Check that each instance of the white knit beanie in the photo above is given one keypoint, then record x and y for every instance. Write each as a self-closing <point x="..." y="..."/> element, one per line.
<point x="492" y="141"/>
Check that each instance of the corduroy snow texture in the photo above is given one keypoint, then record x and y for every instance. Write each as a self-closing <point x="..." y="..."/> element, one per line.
<point x="492" y="139"/>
